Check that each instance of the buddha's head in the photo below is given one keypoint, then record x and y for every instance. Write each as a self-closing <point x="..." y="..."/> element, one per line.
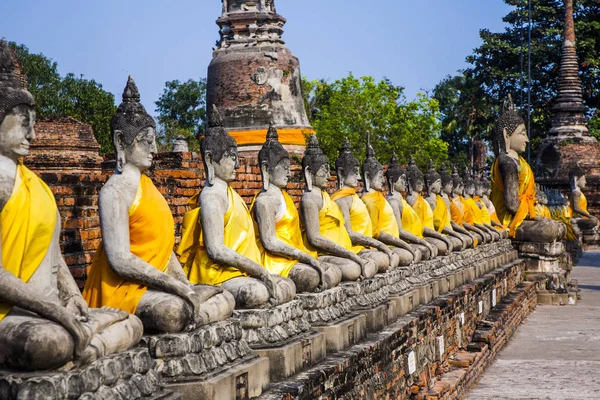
<point x="347" y="167"/>
<point x="544" y="198"/>
<point x="433" y="180"/>
<point x="485" y="185"/>
<point x="315" y="165"/>
<point x="133" y="131"/>
<point x="510" y="130"/>
<point x="447" y="184"/>
<point x="17" y="109"/>
<point x="469" y="184"/>
<point x="416" y="180"/>
<point x="457" y="182"/>
<point x="219" y="151"/>
<point x="540" y="195"/>
<point x="479" y="187"/>
<point x="274" y="161"/>
<point x="372" y="171"/>
<point x="396" y="176"/>
<point x="577" y="178"/>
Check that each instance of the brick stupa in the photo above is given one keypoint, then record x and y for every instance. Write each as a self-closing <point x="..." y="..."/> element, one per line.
<point x="254" y="79"/>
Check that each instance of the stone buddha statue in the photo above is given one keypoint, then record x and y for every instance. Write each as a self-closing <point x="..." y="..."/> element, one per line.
<point x="488" y="212"/>
<point x="541" y="206"/>
<point x="219" y="243"/>
<point x="416" y="185"/>
<point x="513" y="182"/>
<point x="324" y="223"/>
<point x="447" y="188"/>
<point x="410" y="227"/>
<point x="441" y="213"/>
<point x="135" y="268"/>
<point x="458" y="209"/>
<point x="44" y="321"/>
<point x="582" y="218"/>
<point x="282" y="246"/>
<point x="473" y="214"/>
<point x="384" y="226"/>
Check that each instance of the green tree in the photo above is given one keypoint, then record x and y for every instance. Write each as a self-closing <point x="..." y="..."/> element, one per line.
<point x="351" y="107"/>
<point x="181" y="110"/>
<point x="77" y="97"/>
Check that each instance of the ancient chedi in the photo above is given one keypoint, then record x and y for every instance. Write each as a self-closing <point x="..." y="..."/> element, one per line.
<point x="254" y="79"/>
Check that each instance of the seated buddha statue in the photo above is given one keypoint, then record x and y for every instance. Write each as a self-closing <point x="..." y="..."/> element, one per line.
<point x="541" y="205"/>
<point x="373" y="208"/>
<point x="281" y="243"/>
<point x="458" y="209"/>
<point x="416" y="185"/>
<point x="219" y="243"/>
<point x="482" y="185"/>
<point x="323" y="221"/>
<point x="582" y="218"/>
<point x="135" y="268"/>
<point x="410" y="227"/>
<point x="44" y="321"/>
<point x="441" y="213"/>
<point x="445" y="195"/>
<point x="473" y="214"/>
<point x="513" y="183"/>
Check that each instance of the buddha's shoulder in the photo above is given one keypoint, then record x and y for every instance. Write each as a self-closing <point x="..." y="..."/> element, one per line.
<point x="119" y="186"/>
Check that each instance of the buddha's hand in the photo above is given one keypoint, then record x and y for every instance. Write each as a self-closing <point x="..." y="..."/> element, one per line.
<point x="194" y="301"/>
<point x="322" y="283"/>
<point x="449" y="244"/>
<point x="76" y="305"/>
<point x="394" y="258"/>
<point x="433" y="249"/>
<point x="271" y="285"/>
<point x="81" y="334"/>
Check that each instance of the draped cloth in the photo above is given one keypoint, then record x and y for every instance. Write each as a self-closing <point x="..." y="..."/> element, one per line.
<point x="424" y="211"/>
<point x="484" y="213"/>
<point x="151" y="238"/>
<point x="238" y="234"/>
<point x="360" y="219"/>
<point x="563" y="214"/>
<point x="543" y="210"/>
<point x="456" y="210"/>
<point x="472" y="213"/>
<point x="28" y="223"/>
<point x="441" y="215"/>
<point x="411" y="221"/>
<point x="381" y="213"/>
<point x="287" y="229"/>
<point x="583" y="204"/>
<point x="332" y="224"/>
<point x="526" y="196"/>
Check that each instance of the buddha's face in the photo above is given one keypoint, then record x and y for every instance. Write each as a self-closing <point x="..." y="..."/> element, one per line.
<point x="377" y="181"/>
<point x="436" y="186"/>
<point x="419" y="185"/>
<point x="321" y="178"/>
<point x="479" y="190"/>
<point x="448" y="187"/>
<point x="225" y="168"/>
<point x="351" y="177"/>
<point x="280" y="175"/>
<point x="518" y="140"/>
<point x="141" y="152"/>
<point x="401" y="184"/>
<point x="581" y="182"/>
<point x="470" y="190"/>
<point x="16" y="132"/>
<point x="458" y="189"/>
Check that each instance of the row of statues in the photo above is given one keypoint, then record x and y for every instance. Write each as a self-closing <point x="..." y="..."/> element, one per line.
<point x="230" y="255"/>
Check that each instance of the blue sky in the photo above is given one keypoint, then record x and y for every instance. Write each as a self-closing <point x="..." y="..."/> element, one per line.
<point x="413" y="43"/>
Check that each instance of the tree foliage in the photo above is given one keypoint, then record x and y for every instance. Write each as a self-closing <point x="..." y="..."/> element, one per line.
<point x="72" y="96"/>
<point x="351" y="107"/>
<point x="181" y="110"/>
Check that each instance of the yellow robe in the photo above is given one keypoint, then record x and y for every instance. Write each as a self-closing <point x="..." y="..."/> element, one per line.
<point x="151" y="238"/>
<point x="456" y="210"/>
<point x="583" y="205"/>
<point x="424" y="211"/>
<point x="543" y="210"/>
<point x="287" y="229"/>
<point x="485" y="215"/>
<point x="381" y="213"/>
<point x="411" y="221"/>
<point x="28" y="224"/>
<point x="332" y="224"/>
<point x="238" y="234"/>
<point x="441" y="215"/>
<point x="472" y="213"/>
<point x="526" y="196"/>
<point x="359" y="214"/>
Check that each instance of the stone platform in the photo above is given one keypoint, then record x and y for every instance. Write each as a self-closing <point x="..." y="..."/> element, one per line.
<point x="129" y="375"/>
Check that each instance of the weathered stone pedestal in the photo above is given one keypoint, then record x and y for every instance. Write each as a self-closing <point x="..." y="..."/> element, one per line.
<point x="283" y="335"/>
<point x="369" y="298"/>
<point x="329" y="312"/>
<point x="129" y="375"/>
<point x="591" y="239"/>
<point x="212" y="362"/>
<point x="545" y="265"/>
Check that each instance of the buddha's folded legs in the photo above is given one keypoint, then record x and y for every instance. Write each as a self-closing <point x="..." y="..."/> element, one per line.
<point x="307" y="279"/>
<point x="544" y="231"/>
<point x="586" y="224"/>
<point x="162" y="312"/>
<point x="456" y="243"/>
<point x="441" y="246"/>
<point x="382" y="260"/>
<point x="425" y="252"/>
<point x="405" y="256"/>
<point x="252" y="293"/>
<point x="350" y="270"/>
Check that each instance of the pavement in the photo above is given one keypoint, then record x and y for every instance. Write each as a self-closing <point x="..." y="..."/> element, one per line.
<point x="555" y="354"/>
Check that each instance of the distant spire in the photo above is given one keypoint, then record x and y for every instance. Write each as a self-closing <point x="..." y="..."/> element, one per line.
<point x="272" y="134"/>
<point x="215" y="120"/>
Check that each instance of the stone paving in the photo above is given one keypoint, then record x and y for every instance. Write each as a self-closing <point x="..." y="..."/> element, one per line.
<point x="555" y="354"/>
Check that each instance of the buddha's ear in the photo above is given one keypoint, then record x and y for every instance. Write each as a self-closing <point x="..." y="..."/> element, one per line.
<point x="210" y="169"/>
<point x="119" y="150"/>
<point x="340" y="181"/>
<point x="506" y="140"/>
<point x="265" y="175"/>
<point x="367" y="181"/>
<point x="308" y="179"/>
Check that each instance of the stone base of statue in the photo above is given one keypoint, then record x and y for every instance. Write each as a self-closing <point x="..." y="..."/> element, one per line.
<point x="284" y="336"/>
<point x="370" y="299"/>
<point x="329" y="312"/>
<point x="591" y="239"/>
<point x="214" y="361"/>
<point x="128" y="375"/>
<point x="547" y="265"/>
